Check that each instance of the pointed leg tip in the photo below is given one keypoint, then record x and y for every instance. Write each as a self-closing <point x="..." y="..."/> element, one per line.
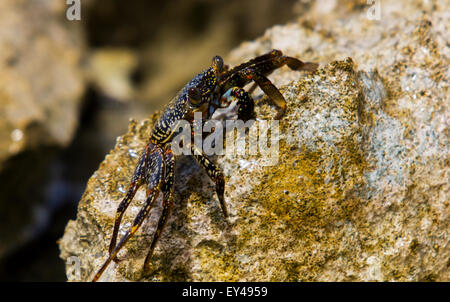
<point x="96" y="277"/>
<point x="148" y="263"/>
<point x="280" y="114"/>
<point x="223" y="205"/>
<point x="225" y="214"/>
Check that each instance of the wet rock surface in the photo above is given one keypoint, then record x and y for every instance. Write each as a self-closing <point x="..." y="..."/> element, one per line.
<point x="360" y="189"/>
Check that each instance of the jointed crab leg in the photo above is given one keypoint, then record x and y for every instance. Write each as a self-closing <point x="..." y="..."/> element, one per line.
<point x="136" y="181"/>
<point x="258" y="68"/>
<point x="167" y="190"/>
<point x="266" y="85"/>
<point x="154" y="178"/>
<point x="214" y="173"/>
<point x="265" y="60"/>
<point x="265" y="65"/>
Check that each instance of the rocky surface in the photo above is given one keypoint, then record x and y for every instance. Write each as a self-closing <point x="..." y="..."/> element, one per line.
<point x="360" y="189"/>
<point x="41" y="86"/>
<point x="38" y="110"/>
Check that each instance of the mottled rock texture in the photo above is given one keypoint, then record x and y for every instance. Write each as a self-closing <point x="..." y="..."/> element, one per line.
<point x="360" y="190"/>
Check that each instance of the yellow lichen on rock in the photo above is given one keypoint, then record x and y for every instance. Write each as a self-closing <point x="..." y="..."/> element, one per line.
<point x="359" y="190"/>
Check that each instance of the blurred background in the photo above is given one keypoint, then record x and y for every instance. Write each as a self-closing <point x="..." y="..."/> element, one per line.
<point x="68" y="89"/>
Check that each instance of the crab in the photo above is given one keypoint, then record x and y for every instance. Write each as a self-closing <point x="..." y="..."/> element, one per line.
<point x="213" y="89"/>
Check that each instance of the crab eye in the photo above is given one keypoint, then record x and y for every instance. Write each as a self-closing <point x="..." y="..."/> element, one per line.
<point x="195" y="96"/>
<point x="218" y="63"/>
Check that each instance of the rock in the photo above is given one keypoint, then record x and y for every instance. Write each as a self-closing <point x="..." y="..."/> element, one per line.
<point x="110" y="71"/>
<point x="41" y="88"/>
<point x="38" y="110"/>
<point x="360" y="188"/>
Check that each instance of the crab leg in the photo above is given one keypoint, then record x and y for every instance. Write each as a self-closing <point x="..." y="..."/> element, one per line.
<point x="265" y="65"/>
<point x="258" y="69"/>
<point x="167" y="189"/>
<point x="136" y="181"/>
<point x="266" y="85"/>
<point x="215" y="174"/>
<point x="154" y="177"/>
